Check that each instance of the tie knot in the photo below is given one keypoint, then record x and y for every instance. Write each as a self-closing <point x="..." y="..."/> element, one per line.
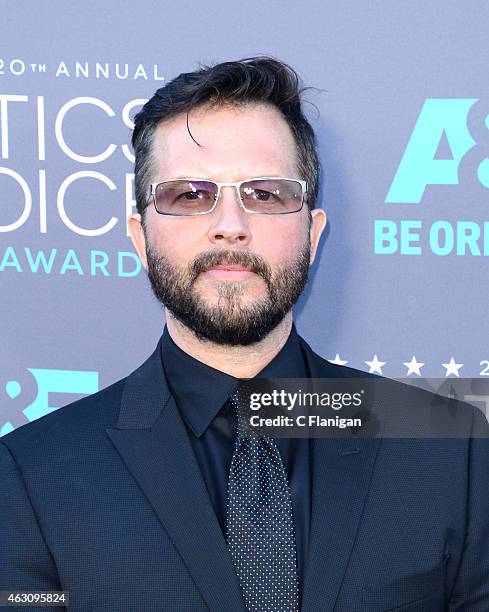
<point x="240" y="404"/>
<point x="240" y="412"/>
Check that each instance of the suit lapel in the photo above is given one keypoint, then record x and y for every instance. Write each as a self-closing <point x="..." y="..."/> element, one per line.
<point x="341" y="470"/>
<point x="153" y="443"/>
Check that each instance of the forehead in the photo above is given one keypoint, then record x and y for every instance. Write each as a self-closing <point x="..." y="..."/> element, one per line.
<point x="233" y="143"/>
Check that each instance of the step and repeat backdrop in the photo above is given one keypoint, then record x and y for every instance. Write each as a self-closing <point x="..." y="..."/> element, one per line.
<point x="400" y="105"/>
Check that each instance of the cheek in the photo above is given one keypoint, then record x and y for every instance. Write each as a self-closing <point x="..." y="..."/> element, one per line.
<point x="175" y="241"/>
<point x="281" y="242"/>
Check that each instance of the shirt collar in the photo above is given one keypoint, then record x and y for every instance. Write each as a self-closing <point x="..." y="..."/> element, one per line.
<point x="200" y="391"/>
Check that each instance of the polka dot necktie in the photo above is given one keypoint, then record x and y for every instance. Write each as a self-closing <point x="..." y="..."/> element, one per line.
<point x="260" y="527"/>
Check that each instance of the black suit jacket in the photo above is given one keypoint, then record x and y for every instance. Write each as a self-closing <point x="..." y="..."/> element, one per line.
<point x="104" y="498"/>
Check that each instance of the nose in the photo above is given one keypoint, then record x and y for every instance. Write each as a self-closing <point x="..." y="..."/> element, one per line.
<point x="229" y="222"/>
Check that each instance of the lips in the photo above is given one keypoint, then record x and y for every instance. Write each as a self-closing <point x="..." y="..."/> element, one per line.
<point x="231" y="267"/>
<point x="229" y="272"/>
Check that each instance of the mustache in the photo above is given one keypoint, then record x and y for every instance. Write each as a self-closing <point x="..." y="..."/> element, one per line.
<point x="207" y="260"/>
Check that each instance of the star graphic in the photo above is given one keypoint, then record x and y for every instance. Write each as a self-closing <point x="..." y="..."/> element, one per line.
<point x="452" y="367"/>
<point x="413" y="366"/>
<point x="375" y="365"/>
<point x="338" y="361"/>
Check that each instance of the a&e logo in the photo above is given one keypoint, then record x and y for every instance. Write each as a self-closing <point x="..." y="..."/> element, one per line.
<point x="443" y="135"/>
<point x="41" y="397"/>
<point x="447" y="147"/>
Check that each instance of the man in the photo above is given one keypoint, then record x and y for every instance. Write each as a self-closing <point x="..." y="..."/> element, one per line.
<point x="146" y="496"/>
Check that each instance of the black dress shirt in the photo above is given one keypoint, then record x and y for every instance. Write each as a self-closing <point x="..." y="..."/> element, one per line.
<point x="201" y="394"/>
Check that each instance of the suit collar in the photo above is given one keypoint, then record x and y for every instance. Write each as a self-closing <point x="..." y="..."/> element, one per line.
<point x="200" y="391"/>
<point x="146" y="391"/>
<point x="153" y="443"/>
<point x="207" y="388"/>
<point x="145" y="394"/>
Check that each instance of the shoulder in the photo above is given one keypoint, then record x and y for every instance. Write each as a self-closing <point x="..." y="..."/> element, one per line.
<point x="78" y="423"/>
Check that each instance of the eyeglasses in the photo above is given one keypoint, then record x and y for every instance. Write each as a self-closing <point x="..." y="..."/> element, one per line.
<point x="263" y="196"/>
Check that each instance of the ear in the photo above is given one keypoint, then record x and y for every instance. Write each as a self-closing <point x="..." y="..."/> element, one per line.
<point x="318" y="223"/>
<point x="136" y="230"/>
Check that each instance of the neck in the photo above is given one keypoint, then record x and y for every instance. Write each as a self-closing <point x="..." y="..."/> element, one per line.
<point x="237" y="361"/>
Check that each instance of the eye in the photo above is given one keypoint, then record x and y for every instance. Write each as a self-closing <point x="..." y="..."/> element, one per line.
<point x="197" y="194"/>
<point x="262" y="195"/>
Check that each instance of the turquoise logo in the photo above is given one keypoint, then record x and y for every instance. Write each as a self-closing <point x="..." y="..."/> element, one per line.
<point x="48" y="383"/>
<point x="438" y="143"/>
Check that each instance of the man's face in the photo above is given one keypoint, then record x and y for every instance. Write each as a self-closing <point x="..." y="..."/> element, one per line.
<point x="230" y="276"/>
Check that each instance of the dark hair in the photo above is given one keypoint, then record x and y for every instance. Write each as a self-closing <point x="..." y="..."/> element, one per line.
<point x="259" y="79"/>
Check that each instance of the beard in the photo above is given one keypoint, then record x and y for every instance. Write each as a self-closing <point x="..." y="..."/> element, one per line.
<point x="234" y="319"/>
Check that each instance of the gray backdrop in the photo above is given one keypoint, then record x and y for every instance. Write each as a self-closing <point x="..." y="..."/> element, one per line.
<point x="403" y="137"/>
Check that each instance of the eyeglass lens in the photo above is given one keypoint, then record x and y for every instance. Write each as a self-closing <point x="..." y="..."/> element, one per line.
<point x="266" y="196"/>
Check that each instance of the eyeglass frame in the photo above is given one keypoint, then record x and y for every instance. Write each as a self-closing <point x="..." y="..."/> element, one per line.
<point x="237" y="185"/>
